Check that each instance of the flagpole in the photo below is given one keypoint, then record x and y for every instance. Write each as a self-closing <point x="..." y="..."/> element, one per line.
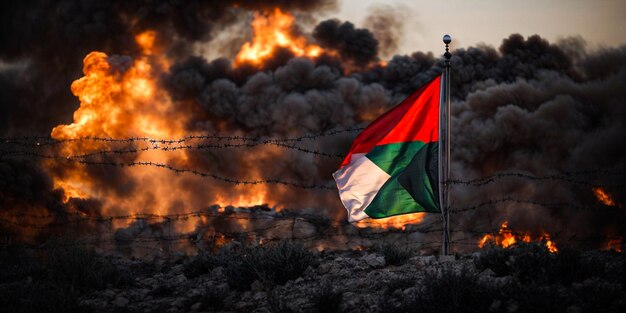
<point x="444" y="151"/>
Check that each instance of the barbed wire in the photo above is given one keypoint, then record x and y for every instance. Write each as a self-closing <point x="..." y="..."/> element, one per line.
<point x="179" y="170"/>
<point x="524" y="201"/>
<point x="564" y="177"/>
<point x="79" y="217"/>
<point x="252" y="216"/>
<point x="561" y="177"/>
<point x="46" y="140"/>
<point x="200" y="147"/>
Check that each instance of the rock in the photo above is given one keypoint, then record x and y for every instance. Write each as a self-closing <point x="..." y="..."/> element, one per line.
<point x="217" y="272"/>
<point x="108" y="294"/>
<point x="177" y="269"/>
<point x="149" y="282"/>
<point x="239" y="306"/>
<point x="179" y="279"/>
<point x="259" y="296"/>
<point x="374" y="260"/>
<point x="298" y="280"/>
<point x="488" y="273"/>
<point x="512" y="307"/>
<point x="196" y="306"/>
<point x="256" y="286"/>
<point x="324" y="268"/>
<point x="142" y="293"/>
<point x="196" y="292"/>
<point x="179" y="302"/>
<point x="426" y="259"/>
<point x="120" y="302"/>
<point x="446" y="258"/>
<point x="495" y="305"/>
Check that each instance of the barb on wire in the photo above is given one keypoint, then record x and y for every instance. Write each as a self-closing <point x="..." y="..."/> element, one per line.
<point x="563" y="177"/>
<point x="520" y="201"/>
<point x="211" y="146"/>
<point x="45" y="140"/>
<point x="183" y="170"/>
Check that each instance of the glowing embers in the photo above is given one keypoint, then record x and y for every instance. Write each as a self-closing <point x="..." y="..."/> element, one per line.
<point x="272" y="30"/>
<point x="603" y="196"/>
<point x="614" y="244"/>
<point x="507" y="238"/>
<point x="394" y="222"/>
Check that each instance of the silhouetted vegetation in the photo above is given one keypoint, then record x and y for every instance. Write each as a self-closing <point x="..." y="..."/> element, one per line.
<point x="270" y="264"/>
<point x="394" y="254"/>
<point x="52" y="279"/>
<point x="326" y="298"/>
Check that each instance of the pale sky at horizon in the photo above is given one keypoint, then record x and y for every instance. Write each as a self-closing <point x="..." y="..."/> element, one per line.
<point x="601" y="23"/>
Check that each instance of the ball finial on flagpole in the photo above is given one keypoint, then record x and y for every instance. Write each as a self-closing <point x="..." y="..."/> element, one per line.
<point x="447" y="40"/>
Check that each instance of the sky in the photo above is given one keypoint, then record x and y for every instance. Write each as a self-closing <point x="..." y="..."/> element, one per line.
<point x="599" y="22"/>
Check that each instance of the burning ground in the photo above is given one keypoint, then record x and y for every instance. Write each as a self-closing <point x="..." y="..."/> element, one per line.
<point x="250" y="72"/>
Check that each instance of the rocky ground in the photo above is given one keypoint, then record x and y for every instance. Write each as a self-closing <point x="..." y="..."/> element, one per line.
<point x="285" y="277"/>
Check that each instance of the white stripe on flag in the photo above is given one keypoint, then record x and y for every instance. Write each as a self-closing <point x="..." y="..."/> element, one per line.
<point x="358" y="183"/>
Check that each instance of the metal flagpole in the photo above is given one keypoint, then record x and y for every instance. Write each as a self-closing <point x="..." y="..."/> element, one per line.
<point x="444" y="149"/>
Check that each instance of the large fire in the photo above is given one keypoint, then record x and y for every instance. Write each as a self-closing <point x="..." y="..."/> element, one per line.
<point x="603" y="196"/>
<point x="272" y="30"/>
<point x="120" y="98"/>
<point x="507" y="238"/>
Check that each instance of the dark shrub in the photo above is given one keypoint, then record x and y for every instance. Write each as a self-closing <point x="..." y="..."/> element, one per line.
<point x="326" y="298"/>
<point x="533" y="298"/>
<point x="394" y="254"/>
<point x="497" y="259"/>
<point x="390" y="302"/>
<point x="271" y="264"/>
<point x="81" y="269"/>
<point x="532" y="263"/>
<point x="35" y="298"/>
<point x="567" y="267"/>
<point x="597" y="295"/>
<point x="212" y="299"/>
<point x="529" y="262"/>
<point x="276" y="303"/>
<point x="16" y="263"/>
<point x="451" y="290"/>
<point x="201" y="264"/>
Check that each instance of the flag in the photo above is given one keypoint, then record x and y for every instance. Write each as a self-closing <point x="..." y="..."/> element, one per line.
<point x="392" y="166"/>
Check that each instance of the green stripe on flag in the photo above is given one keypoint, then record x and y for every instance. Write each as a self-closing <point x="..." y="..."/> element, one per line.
<point x="410" y="188"/>
<point x="393" y="158"/>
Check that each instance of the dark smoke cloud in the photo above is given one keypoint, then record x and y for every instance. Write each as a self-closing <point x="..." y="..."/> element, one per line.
<point x="387" y="23"/>
<point x="356" y="45"/>
<point x="528" y="105"/>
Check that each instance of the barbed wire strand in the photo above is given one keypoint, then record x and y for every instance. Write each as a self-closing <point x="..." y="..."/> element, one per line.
<point x="46" y="140"/>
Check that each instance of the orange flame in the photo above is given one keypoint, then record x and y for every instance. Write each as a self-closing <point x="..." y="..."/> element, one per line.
<point x="507" y="238"/>
<point x="549" y="243"/>
<point x="274" y="30"/>
<point x="603" y="196"/>
<point x="395" y="222"/>
<point x="243" y="200"/>
<point x="614" y="244"/>
<point x="121" y="98"/>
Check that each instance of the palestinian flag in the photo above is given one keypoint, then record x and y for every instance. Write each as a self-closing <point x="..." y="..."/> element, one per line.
<point x="392" y="166"/>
